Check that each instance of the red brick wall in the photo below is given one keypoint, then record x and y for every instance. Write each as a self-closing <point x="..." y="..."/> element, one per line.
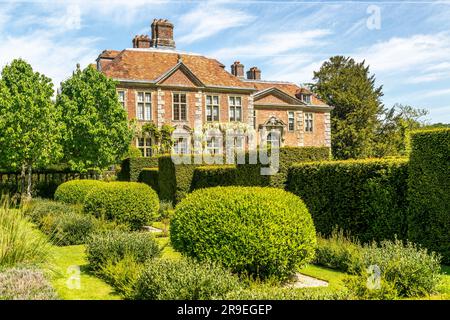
<point x="315" y="138"/>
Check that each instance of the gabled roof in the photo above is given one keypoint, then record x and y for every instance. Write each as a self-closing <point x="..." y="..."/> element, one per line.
<point x="151" y="64"/>
<point x="278" y="93"/>
<point x="287" y="87"/>
<point x="182" y="67"/>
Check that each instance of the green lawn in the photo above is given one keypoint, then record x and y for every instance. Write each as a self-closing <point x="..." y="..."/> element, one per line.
<point x="168" y="252"/>
<point x="333" y="277"/>
<point x="93" y="288"/>
<point x="63" y="260"/>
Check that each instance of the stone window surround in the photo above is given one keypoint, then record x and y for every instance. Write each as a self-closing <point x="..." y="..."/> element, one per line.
<point x="137" y="102"/>
<point x="206" y="107"/>
<point x="241" y="106"/>
<point x="147" y="148"/>
<point x="305" y="116"/>
<point x="187" y="106"/>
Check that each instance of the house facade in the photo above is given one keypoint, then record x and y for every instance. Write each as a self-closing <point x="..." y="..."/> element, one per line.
<point x="159" y="84"/>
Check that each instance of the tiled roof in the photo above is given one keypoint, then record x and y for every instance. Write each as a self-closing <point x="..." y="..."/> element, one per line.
<point x="290" y="88"/>
<point x="111" y="54"/>
<point x="149" y="65"/>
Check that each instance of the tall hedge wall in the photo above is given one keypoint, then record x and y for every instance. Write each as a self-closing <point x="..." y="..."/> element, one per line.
<point x="250" y="174"/>
<point x="429" y="190"/>
<point x="175" y="181"/>
<point x="364" y="197"/>
<point x="213" y="176"/>
<point x="150" y="176"/>
<point x="131" y="167"/>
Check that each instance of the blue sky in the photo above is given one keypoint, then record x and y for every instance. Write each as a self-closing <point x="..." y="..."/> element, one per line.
<point x="406" y="43"/>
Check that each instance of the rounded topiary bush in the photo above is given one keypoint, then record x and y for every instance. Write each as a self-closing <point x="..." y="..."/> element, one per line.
<point x="265" y="232"/>
<point x="131" y="203"/>
<point x="75" y="191"/>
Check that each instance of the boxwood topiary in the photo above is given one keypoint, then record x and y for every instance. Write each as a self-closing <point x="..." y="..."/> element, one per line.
<point x="75" y="191"/>
<point x="264" y="232"/>
<point x="131" y="203"/>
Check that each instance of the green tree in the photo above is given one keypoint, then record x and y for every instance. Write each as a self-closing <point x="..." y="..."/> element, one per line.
<point x="394" y="127"/>
<point x="30" y="130"/>
<point x="350" y="89"/>
<point x="97" y="133"/>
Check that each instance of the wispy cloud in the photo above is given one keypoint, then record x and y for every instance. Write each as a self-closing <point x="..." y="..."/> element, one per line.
<point x="276" y="43"/>
<point x="417" y="53"/>
<point x="209" y="19"/>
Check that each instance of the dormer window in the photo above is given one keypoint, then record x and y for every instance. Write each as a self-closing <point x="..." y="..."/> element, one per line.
<point x="306" y="98"/>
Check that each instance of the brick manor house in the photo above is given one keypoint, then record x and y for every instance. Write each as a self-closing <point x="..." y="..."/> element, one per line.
<point x="160" y="84"/>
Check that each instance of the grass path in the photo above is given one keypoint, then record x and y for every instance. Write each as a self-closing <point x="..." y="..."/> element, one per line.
<point x="64" y="263"/>
<point x="333" y="277"/>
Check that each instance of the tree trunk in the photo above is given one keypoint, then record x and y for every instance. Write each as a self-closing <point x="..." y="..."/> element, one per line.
<point x="29" y="181"/>
<point x="22" y="179"/>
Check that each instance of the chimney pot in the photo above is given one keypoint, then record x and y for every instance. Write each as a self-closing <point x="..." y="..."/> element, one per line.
<point x="237" y="69"/>
<point x="162" y="34"/>
<point x="254" y="74"/>
<point x="142" y="41"/>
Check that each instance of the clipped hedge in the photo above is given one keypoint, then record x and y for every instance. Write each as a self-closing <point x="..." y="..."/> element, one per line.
<point x="428" y="190"/>
<point x="214" y="176"/>
<point x="150" y="177"/>
<point x="176" y="181"/>
<point x="366" y="198"/>
<point x="75" y="191"/>
<point x="260" y="231"/>
<point x="131" y="203"/>
<point x="250" y="174"/>
<point x="131" y="167"/>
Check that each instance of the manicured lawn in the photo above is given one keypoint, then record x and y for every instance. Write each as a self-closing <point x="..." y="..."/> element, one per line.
<point x="333" y="277"/>
<point x="91" y="287"/>
<point x="168" y="252"/>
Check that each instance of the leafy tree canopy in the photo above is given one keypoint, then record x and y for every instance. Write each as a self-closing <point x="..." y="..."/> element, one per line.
<point x="30" y="130"/>
<point x="97" y="133"/>
<point x="350" y="89"/>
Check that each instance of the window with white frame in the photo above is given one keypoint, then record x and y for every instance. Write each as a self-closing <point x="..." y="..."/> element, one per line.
<point x="212" y="108"/>
<point x="291" y="121"/>
<point x="179" y="107"/>
<point x="213" y="145"/>
<point x="121" y="95"/>
<point x="235" y="104"/>
<point x="144" y="144"/>
<point x="180" y="146"/>
<point x="306" y="98"/>
<point x="309" y="122"/>
<point x="144" y="106"/>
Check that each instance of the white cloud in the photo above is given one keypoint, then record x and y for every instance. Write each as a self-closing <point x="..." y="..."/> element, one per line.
<point x="48" y="53"/>
<point x="420" y="55"/>
<point x="208" y="19"/>
<point x="436" y="93"/>
<point x="276" y="43"/>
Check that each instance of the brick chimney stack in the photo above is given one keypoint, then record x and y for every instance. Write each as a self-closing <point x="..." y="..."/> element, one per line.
<point x="162" y="34"/>
<point x="237" y="69"/>
<point x="254" y="74"/>
<point x="142" y="41"/>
